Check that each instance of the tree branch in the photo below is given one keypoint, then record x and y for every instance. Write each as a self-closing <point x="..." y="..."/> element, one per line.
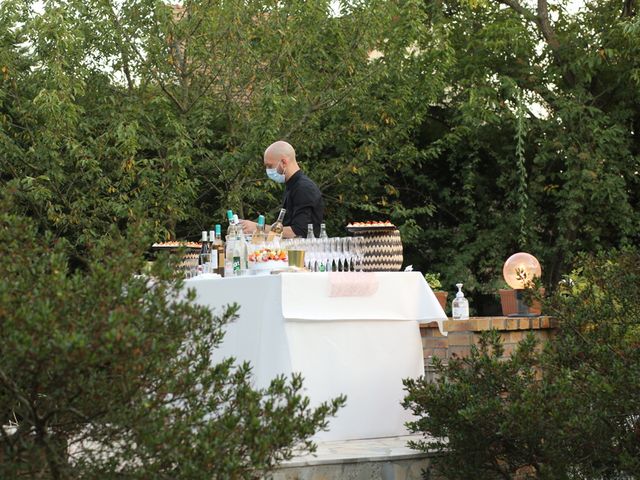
<point x="542" y="20"/>
<point x="628" y="9"/>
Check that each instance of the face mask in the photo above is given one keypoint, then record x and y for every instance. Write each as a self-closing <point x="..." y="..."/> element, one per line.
<point x="273" y="174"/>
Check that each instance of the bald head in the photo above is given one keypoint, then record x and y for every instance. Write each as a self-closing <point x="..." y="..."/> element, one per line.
<point x="279" y="150"/>
<point x="281" y="156"/>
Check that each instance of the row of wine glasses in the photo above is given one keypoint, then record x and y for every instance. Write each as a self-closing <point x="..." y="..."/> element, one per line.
<point x="336" y="254"/>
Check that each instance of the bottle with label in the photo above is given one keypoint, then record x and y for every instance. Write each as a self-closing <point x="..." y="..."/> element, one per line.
<point x="213" y="264"/>
<point x="259" y="236"/>
<point x="323" y="231"/>
<point x="231" y="239"/>
<point x="460" y="305"/>
<point x="310" y="234"/>
<point x="205" y="254"/>
<point x="231" y="227"/>
<point x="236" y="255"/>
<point x="275" y="234"/>
<point x="218" y="250"/>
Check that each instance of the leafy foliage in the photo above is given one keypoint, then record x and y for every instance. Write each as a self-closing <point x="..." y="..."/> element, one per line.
<point x="568" y="410"/>
<point x="105" y="374"/>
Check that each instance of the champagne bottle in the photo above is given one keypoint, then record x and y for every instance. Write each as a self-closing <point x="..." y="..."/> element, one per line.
<point x="275" y="234"/>
<point x="219" y="250"/>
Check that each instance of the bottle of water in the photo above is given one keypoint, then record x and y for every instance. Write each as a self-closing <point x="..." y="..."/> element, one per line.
<point x="460" y="305"/>
<point x="310" y="234"/>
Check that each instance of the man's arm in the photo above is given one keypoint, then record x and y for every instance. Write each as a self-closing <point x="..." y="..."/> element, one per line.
<point x="250" y="227"/>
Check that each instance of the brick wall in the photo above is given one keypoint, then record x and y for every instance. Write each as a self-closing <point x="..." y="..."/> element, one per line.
<point x="464" y="333"/>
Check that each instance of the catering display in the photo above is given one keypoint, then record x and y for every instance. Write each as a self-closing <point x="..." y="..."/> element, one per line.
<point x="373" y="246"/>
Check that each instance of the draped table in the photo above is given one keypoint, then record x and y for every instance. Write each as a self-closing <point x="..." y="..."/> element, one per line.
<point x="347" y="333"/>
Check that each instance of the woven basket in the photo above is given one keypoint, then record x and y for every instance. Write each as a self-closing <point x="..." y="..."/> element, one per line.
<point x="382" y="251"/>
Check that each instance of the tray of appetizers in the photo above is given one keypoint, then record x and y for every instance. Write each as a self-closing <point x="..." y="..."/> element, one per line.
<point x="371" y="226"/>
<point x="176" y="245"/>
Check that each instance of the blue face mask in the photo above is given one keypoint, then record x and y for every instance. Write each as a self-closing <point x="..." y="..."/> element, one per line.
<point x="273" y="174"/>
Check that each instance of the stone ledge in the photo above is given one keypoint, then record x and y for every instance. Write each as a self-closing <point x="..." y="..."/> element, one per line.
<point x="479" y="324"/>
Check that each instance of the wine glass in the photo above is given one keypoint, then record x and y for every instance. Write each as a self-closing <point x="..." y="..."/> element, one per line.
<point x="358" y="253"/>
<point x="348" y="245"/>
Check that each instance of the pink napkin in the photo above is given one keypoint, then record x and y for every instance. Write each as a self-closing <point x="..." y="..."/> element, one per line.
<point x="352" y="284"/>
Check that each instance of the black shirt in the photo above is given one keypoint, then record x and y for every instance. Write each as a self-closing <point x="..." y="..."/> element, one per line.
<point x="304" y="204"/>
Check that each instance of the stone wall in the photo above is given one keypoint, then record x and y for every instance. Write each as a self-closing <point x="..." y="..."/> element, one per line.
<point x="462" y="334"/>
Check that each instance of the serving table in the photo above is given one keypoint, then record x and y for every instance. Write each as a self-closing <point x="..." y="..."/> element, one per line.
<point x="347" y="333"/>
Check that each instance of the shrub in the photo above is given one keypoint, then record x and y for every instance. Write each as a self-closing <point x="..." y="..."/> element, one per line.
<point x="570" y="409"/>
<point x="106" y="374"/>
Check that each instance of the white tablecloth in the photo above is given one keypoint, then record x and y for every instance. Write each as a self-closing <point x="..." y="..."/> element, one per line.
<point x="361" y="343"/>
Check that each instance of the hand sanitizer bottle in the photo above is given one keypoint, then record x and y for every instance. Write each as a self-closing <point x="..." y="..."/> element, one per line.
<point x="460" y="305"/>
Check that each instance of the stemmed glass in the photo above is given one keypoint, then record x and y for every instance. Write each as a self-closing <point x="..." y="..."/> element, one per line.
<point x="341" y="254"/>
<point x="358" y="253"/>
<point x="347" y="247"/>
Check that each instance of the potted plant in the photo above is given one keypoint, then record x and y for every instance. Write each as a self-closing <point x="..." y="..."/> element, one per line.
<point x="433" y="279"/>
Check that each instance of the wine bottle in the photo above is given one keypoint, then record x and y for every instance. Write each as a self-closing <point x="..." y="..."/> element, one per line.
<point x="230" y="228"/>
<point x="218" y="249"/>
<point x="203" y="258"/>
<point x="275" y="234"/>
<point x="259" y="236"/>
<point x="231" y="239"/>
<point x="213" y="252"/>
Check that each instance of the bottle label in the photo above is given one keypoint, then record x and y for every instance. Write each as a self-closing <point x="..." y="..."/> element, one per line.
<point x="321" y="267"/>
<point x="236" y="264"/>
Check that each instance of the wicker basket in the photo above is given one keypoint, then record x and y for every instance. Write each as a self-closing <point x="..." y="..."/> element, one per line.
<point x="382" y="250"/>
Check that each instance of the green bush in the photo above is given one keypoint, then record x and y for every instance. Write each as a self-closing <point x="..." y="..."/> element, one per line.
<point x="569" y="409"/>
<point x="107" y="374"/>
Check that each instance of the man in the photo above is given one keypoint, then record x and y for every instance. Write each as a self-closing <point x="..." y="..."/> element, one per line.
<point x="302" y="198"/>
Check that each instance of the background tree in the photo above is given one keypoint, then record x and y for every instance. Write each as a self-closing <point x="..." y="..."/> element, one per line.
<point x="573" y="76"/>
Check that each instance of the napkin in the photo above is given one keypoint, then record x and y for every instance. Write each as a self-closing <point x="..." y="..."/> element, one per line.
<point x="352" y="284"/>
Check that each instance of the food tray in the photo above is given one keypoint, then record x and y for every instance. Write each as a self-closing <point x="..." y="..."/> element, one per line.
<point x="176" y="245"/>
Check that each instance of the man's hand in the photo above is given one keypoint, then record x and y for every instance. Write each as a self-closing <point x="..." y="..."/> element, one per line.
<point x="248" y="226"/>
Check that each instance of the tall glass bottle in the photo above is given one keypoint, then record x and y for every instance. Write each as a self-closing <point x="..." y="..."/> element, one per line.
<point x="460" y="305"/>
<point x="259" y="236"/>
<point x="213" y="263"/>
<point x="230" y="228"/>
<point x="231" y="239"/>
<point x="204" y="257"/>
<point x="275" y="234"/>
<point x="310" y="234"/>
<point x="218" y="249"/>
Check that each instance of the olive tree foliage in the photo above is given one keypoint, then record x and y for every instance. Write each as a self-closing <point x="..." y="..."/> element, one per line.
<point x="566" y="409"/>
<point x="534" y="144"/>
<point x="107" y="104"/>
<point x="108" y="374"/>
